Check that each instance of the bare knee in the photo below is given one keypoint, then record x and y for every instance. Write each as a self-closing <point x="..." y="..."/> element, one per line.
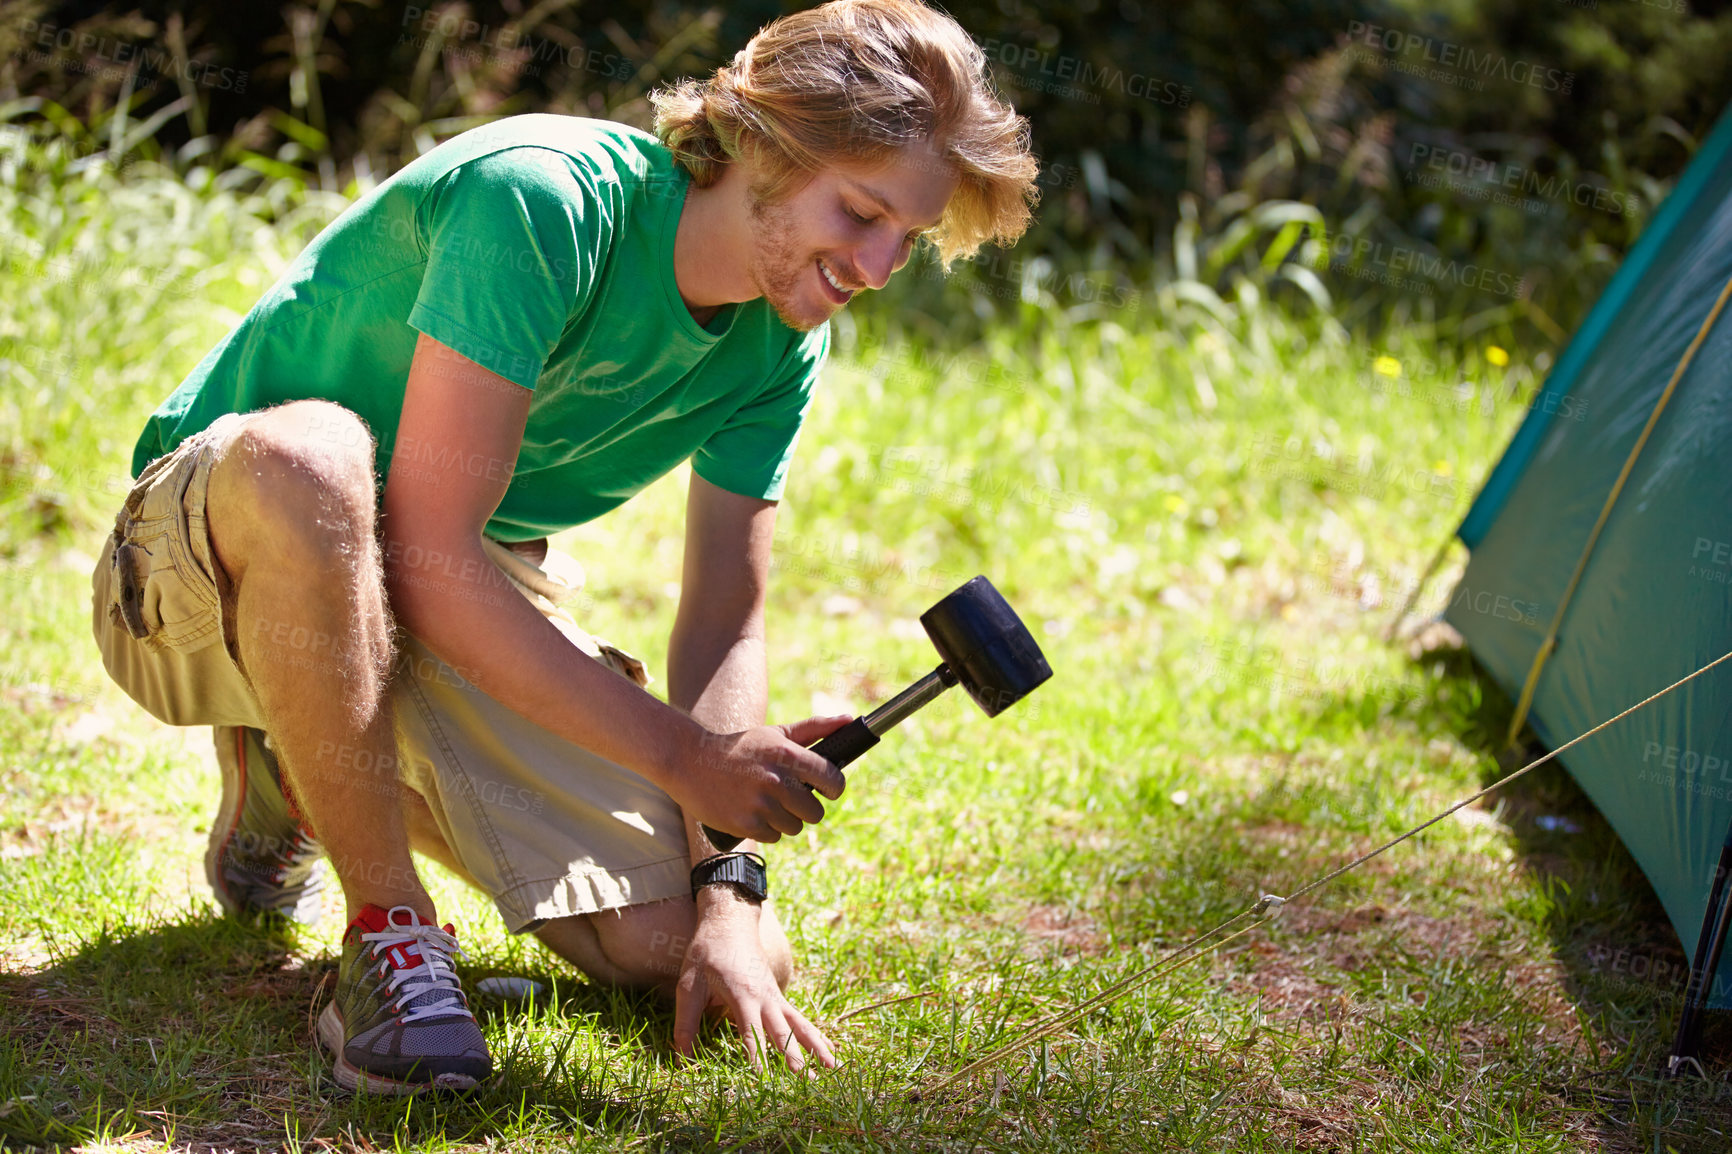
<point x="638" y="947"/>
<point x="295" y="487"/>
<point x="646" y="946"/>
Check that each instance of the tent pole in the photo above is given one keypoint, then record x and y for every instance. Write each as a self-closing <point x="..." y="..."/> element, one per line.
<point x="1525" y="702"/>
<point x="1709" y="944"/>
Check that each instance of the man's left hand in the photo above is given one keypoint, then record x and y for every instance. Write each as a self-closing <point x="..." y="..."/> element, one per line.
<point x="725" y="969"/>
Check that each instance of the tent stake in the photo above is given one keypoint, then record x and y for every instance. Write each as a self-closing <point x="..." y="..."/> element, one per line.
<point x="1709" y="943"/>
<point x="1419" y="587"/>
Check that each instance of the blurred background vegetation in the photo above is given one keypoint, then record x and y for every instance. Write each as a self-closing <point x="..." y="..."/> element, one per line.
<point x="1198" y="156"/>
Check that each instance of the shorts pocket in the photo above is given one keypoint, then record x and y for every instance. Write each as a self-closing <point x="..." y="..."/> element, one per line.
<point x="160" y="594"/>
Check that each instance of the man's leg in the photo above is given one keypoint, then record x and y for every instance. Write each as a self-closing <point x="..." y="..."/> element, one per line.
<point x="292" y="522"/>
<point x="643" y="947"/>
<point x="636" y="947"/>
<point x="291" y="519"/>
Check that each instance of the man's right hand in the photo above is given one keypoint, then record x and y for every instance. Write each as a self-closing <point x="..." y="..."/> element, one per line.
<point x="753" y="784"/>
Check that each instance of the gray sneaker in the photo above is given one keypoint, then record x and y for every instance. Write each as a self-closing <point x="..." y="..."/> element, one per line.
<point x="400" y="1022"/>
<point x="261" y="861"/>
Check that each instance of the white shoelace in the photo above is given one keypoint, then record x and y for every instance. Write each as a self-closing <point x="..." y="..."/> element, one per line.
<point x="435" y="973"/>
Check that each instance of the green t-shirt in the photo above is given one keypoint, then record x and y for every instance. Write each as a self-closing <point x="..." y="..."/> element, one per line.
<point x="540" y="247"/>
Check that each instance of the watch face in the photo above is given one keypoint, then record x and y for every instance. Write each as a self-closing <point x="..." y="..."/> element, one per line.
<point x="757" y="878"/>
<point x="744" y="872"/>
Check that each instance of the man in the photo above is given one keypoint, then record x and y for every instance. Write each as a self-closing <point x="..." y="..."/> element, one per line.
<point x="334" y="549"/>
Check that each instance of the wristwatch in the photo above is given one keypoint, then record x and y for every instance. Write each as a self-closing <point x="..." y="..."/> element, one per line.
<point x="744" y="871"/>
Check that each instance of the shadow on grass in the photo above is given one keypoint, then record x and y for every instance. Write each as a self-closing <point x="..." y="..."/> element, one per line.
<point x="1619" y="964"/>
<point x="200" y="1032"/>
<point x="1622" y="964"/>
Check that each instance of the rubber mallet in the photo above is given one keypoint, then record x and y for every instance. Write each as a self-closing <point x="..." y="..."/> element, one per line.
<point x="986" y="649"/>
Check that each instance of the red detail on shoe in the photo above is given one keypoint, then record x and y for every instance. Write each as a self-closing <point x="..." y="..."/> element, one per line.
<point x="371" y="920"/>
<point x="375" y="919"/>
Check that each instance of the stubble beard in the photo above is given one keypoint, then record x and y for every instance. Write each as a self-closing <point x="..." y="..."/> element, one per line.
<point x="776" y="267"/>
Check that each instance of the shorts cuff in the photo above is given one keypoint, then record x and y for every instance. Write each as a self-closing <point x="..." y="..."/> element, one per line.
<point x="528" y="904"/>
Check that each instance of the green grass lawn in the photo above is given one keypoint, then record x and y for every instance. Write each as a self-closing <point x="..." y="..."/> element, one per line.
<point x="1206" y="524"/>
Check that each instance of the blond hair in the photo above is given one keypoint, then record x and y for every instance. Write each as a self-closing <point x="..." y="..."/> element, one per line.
<point x="854" y="80"/>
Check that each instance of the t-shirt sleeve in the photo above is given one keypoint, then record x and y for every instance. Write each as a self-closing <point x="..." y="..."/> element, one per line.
<point x="514" y="240"/>
<point x="750" y="453"/>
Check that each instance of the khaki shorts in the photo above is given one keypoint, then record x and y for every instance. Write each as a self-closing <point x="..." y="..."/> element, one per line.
<point x="547" y="828"/>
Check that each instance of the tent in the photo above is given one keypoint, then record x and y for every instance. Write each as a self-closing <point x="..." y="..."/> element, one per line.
<point x="1654" y="597"/>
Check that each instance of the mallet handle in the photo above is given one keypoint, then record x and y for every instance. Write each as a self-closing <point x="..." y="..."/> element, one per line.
<point x="846" y="744"/>
<point x="861" y="734"/>
<point x="838" y="749"/>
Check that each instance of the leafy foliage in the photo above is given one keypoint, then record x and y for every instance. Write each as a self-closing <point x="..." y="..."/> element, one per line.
<point x="1135" y="106"/>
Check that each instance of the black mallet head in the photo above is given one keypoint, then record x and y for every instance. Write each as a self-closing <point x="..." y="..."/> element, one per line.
<point x="986" y="646"/>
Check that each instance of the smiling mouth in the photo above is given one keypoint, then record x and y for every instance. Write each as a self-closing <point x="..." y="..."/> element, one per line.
<point x="835" y="285"/>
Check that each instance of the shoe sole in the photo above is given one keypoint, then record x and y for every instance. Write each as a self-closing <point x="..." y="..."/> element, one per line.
<point x="351" y="1077"/>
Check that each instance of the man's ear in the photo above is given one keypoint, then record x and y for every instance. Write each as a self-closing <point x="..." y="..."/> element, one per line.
<point x="765" y="174"/>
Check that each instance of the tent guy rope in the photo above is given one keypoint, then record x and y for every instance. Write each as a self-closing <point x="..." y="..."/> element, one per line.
<point x="1269" y="905"/>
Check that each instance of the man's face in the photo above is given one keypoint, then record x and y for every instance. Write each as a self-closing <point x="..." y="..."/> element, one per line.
<point x="846" y="229"/>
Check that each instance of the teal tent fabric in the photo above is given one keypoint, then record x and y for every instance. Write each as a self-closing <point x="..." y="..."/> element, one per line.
<point x="1655" y="601"/>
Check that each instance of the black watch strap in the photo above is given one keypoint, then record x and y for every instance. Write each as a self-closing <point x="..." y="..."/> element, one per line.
<point x="744" y="871"/>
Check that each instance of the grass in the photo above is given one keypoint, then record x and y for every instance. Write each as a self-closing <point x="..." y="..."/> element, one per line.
<point x="1204" y="515"/>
